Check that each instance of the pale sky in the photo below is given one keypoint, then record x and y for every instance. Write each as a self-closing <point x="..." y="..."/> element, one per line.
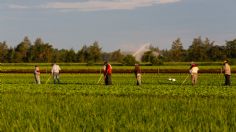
<point x="117" y="24"/>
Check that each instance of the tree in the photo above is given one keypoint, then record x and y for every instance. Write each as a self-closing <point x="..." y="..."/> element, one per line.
<point x="83" y="54"/>
<point x="106" y="56"/>
<point x="61" y="55"/>
<point x="199" y="49"/>
<point x="217" y="53"/>
<point x="194" y="51"/>
<point x="41" y="52"/>
<point x="70" y="56"/>
<point x="177" y="50"/>
<point x="156" y="60"/>
<point x="165" y="55"/>
<point x="56" y="56"/>
<point x="95" y="52"/>
<point x="154" y="49"/>
<point x="150" y="56"/>
<point x="117" y="56"/>
<point x="89" y="54"/>
<point x="207" y="46"/>
<point x="231" y="48"/>
<point x="10" y="55"/>
<point x="22" y="51"/>
<point x="129" y="60"/>
<point x="147" y="56"/>
<point x="3" y="52"/>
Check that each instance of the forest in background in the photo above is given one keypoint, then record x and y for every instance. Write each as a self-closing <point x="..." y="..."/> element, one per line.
<point x="200" y="50"/>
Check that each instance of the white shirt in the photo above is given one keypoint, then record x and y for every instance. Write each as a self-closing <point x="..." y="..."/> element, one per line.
<point x="194" y="70"/>
<point x="55" y="68"/>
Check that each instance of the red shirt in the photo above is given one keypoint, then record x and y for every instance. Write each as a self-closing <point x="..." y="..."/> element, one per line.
<point x="107" y="69"/>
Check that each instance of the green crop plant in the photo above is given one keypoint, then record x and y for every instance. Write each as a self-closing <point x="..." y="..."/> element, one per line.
<point x="80" y="104"/>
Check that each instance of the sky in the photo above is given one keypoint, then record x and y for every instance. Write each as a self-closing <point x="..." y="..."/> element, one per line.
<point x="117" y="24"/>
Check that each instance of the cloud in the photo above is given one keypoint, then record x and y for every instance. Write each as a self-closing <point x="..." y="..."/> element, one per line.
<point x="94" y="5"/>
<point x="168" y="1"/>
<point x="18" y="7"/>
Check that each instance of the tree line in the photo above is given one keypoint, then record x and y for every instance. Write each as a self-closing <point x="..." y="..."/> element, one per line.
<point x="41" y="52"/>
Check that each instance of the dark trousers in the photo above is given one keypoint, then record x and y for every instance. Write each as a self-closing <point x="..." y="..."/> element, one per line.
<point x="227" y="79"/>
<point x="108" y="80"/>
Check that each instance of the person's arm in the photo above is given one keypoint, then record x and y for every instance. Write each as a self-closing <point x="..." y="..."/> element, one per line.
<point x="59" y="68"/>
<point x="223" y="69"/>
<point x="104" y="70"/>
<point x="191" y="70"/>
<point x="52" y="69"/>
<point x="38" y="71"/>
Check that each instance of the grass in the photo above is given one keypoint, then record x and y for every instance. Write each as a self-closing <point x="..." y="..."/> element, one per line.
<point x="79" y="104"/>
<point x="112" y="113"/>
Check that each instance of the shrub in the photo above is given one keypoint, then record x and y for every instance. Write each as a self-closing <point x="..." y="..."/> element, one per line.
<point x="129" y="60"/>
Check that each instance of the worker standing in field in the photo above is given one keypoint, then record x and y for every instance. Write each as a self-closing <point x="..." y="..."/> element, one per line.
<point x="55" y="73"/>
<point x="137" y="72"/>
<point x="107" y="71"/>
<point x="37" y="74"/>
<point x="194" y="73"/>
<point x="227" y="72"/>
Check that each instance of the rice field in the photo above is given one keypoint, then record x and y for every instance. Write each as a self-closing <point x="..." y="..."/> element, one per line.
<point x="80" y="103"/>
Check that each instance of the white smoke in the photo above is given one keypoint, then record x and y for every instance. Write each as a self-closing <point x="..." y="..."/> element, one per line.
<point x="139" y="53"/>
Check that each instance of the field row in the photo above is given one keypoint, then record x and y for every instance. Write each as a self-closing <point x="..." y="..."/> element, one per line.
<point x="123" y="84"/>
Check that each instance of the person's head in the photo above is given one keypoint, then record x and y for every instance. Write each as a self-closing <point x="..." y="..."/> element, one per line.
<point x="35" y="66"/>
<point x="226" y="61"/>
<point x="194" y="65"/>
<point x="105" y="62"/>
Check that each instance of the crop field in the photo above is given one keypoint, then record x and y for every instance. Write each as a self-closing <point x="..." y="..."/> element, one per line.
<point x="80" y="103"/>
<point x="168" y="67"/>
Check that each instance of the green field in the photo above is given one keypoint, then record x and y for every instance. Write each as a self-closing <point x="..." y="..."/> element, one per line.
<point x="80" y="104"/>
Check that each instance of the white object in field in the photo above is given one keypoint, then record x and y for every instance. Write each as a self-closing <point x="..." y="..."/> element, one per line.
<point x="172" y="79"/>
